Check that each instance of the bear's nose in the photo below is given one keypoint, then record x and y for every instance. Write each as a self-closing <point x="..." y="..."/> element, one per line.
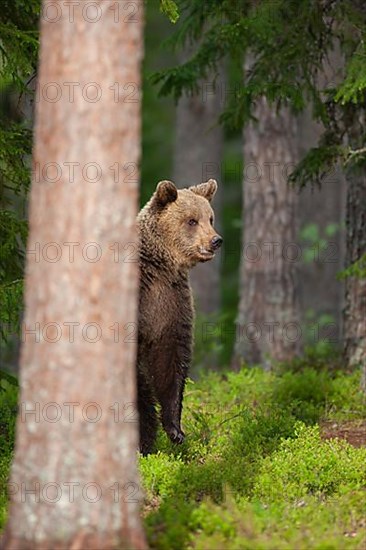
<point x="216" y="242"/>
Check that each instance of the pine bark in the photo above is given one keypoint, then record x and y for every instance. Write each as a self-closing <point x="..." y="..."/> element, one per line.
<point x="355" y="299"/>
<point x="268" y="322"/>
<point x="77" y="450"/>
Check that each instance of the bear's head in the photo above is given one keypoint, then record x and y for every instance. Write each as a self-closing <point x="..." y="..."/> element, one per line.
<point x="184" y="221"/>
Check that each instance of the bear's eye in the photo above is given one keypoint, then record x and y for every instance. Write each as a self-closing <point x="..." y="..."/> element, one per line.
<point x="211" y="220"/>
<point x="192" y="222"/>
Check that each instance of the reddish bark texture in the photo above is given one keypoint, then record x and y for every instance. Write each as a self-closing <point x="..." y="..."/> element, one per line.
<point x="69" y="362"/>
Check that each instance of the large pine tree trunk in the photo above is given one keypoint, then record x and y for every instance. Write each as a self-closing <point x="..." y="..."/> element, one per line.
<point x="268" y="321"/>
<point x="198" y="157"/>
<point x="74" y="481"/>
<point x="355" y="307"/>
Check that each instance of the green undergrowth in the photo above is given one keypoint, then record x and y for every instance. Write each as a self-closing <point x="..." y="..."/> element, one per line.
<point x="8" y="408"/>
<point x="255" y="471"/>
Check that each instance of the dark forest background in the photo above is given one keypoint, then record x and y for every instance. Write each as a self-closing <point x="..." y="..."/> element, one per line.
<point x="193" y="120"/>
<point x="269" y="98"/>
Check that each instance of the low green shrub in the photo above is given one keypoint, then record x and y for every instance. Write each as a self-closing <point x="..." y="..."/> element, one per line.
<point x="250" y="475"/>
<point x="305" y="394"/>
<point x="333" y="524"/>
<point x="307" y="465"/>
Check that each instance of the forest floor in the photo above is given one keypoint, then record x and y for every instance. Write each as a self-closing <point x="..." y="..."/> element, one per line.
<point x="272" y="460"/>
<point x="353" y="432"/>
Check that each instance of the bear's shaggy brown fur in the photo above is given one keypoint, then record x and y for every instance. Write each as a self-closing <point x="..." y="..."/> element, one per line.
<point x="176" y="232"/>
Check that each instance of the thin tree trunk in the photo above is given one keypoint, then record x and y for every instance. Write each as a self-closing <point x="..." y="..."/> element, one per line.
<point x="198" y="157"/>
<point x="74" y="481"/>
<point x="268" y="321"/>
<point x="355" y="306"/>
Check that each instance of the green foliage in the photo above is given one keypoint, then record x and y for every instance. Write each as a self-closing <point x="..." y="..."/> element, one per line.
<point x="14" y="232"/>
<point x="170" y="8"/>
<point x="305" y="393"/>
<point x="239" y="524"/>
<point x="8" y="408"/>
<point x="18" y="61"/>
<point x="347" y="400"/>
<point x="316" y="243"/>
<point x="232" y="28"/>
<point x="313" y="387"/>
<point x="250" y="475"/>
<point x="11" y="298"/>
<point x="317" y="163"/>
<point x="160" y="470"/>
<point x="19" y="40"/>
<point x="286" y="44"/>
<point x="15" y="148"/>
<point x="357" y="269"/>
<point x="306" y="465"/>
<point x="353" y="87"/>
<point x="7" y="380"/>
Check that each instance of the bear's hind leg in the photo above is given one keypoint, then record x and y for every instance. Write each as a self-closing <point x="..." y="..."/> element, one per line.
<point x="148" y="420"/>
<point x="171" y="411"/>
<point x="169" y="392"/>
<point x="168" y="363"/>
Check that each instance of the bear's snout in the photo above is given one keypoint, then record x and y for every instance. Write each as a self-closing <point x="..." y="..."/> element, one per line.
<point x="216" y="242"/>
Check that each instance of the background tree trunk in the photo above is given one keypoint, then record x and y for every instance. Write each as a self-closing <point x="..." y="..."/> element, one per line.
<point x="355" y="306"/>
<point x="321" y="294"/>
<point x="268" y="321"/>
<point x="198" y="157"/>
<point x="74" y="481"/>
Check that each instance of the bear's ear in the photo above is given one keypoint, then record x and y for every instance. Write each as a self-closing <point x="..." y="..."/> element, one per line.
<point x="165" y="192"/>
<point x="206" y="190"/>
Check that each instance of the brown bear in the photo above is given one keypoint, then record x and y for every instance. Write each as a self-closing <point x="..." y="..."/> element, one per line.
<point x="176" y="232"/>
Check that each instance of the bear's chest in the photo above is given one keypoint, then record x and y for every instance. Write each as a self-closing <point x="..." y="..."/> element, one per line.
<point x="164" y="306"/>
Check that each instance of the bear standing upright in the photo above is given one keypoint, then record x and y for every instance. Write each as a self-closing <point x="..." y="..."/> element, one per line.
<point x="176" y="232"/>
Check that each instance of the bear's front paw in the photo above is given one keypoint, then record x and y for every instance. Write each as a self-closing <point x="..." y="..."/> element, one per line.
<point x="175" y="434"/>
